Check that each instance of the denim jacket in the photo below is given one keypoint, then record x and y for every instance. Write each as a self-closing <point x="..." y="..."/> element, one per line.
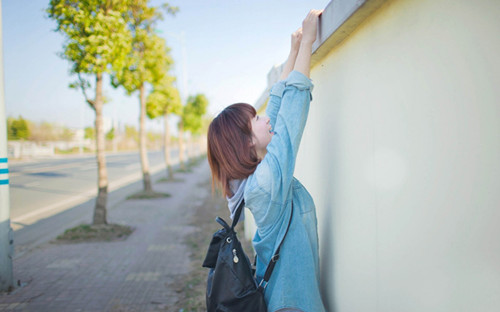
<point x="269" y="193"/>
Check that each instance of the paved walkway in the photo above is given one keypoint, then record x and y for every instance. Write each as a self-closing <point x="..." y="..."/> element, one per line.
<point x="137" y="274"/>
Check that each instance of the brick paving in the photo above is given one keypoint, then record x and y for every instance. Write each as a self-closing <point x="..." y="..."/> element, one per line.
<point x="137" y="274"/>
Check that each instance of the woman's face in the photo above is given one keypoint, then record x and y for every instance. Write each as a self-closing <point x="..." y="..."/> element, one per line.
<point x="262" y="134"/>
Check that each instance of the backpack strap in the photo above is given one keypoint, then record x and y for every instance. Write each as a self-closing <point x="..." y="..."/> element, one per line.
<point x="275" y="257"/>
<point x="238" y="213"/>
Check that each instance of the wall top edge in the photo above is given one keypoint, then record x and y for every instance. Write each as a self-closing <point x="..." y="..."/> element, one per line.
<point x="339" y="19"/>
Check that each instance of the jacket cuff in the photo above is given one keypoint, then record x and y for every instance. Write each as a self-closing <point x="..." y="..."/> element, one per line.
<point x="299" y="80"/>
<point x="278" y="88"/>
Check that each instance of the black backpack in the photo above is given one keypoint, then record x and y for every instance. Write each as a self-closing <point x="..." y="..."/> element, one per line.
<point x="231" y="284"/>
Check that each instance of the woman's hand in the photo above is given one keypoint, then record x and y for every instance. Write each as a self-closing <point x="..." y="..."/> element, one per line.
<point x="309" y="31"/>
<point x="310" y="26"/>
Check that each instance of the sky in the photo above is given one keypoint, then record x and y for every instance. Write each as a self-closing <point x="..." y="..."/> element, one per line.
<point x="229" y="48"/>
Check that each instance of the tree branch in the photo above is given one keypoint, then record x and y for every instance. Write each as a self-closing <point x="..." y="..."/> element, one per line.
<point x="83" y="87"/>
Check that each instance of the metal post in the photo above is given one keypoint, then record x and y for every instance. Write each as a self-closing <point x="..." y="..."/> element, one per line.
<point x="6" y="235"/>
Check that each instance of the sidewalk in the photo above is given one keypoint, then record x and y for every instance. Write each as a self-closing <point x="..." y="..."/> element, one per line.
<point x="138" y="274"/>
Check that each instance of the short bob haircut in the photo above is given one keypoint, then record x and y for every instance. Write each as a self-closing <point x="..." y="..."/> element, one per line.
<point x="230" y="151"/>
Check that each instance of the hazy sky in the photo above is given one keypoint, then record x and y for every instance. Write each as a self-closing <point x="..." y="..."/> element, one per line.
<point x="230" y="47"/>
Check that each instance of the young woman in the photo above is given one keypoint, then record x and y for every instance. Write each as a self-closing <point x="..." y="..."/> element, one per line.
<point x="253" y="158"/>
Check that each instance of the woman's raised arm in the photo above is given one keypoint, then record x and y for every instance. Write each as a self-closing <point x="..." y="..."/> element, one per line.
<point x="309" y="31"/>
<point x="274" y="103"/>
<point x="294" y="50"/>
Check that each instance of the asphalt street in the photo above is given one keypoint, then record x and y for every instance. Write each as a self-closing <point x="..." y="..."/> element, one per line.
<point x="50" y="195"/>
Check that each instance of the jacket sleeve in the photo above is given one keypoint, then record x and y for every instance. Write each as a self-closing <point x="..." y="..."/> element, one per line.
<point x="274" y="174"/>
<point x="274" y="103"/>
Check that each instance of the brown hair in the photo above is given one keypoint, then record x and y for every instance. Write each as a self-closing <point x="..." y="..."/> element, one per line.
<point x="230" y="152"/>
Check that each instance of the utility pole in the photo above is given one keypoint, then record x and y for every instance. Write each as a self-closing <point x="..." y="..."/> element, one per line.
<point x="6" y="235"/>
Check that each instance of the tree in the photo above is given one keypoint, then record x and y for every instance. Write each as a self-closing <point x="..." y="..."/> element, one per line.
<point x="194" y="110"/>
<point x="43" y="131"/>
<point x="89" y="133"/>
<point x="10" y="131"/>
<point x="164" y="100"/>
<point x="191" y="120"/>
<point x="110" y="135"/>
<point x="97" y="40"/>
<point x="145" y="63"/>
<point x="67" y="134"/>
<point x="17" y="129"/>
<point x="131" y="133"/>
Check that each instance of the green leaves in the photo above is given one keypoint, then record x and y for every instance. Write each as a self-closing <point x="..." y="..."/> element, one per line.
<point x="97" y="37"/>
<point x="193" y="112"/>
<point x="147" y="60"/>
<point x="111" y="134"/>
<point x="164" y="99"/>
<point x="118" y="37"/>
<point x="17" y="129"/>
<point x="89" y="133"/>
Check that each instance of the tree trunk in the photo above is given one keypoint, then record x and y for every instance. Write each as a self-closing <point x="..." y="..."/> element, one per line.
<point x="142" y="141"/>
<point x="102" y="195"/>
<point x="181" y="146"/>
<point x="168" y="161"/>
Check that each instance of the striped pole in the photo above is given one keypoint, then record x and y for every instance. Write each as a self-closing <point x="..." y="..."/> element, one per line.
<point x="6" y="235"/>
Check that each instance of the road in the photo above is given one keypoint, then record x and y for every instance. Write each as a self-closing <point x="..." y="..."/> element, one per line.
<point x="66" y="188"/>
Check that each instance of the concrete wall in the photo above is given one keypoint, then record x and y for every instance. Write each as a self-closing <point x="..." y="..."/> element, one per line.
<point x="405" y="132"/>
<point x="401" y="154"/>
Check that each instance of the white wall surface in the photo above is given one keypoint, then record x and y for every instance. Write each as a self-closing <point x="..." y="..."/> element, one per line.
<point x="402" y="156"/>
